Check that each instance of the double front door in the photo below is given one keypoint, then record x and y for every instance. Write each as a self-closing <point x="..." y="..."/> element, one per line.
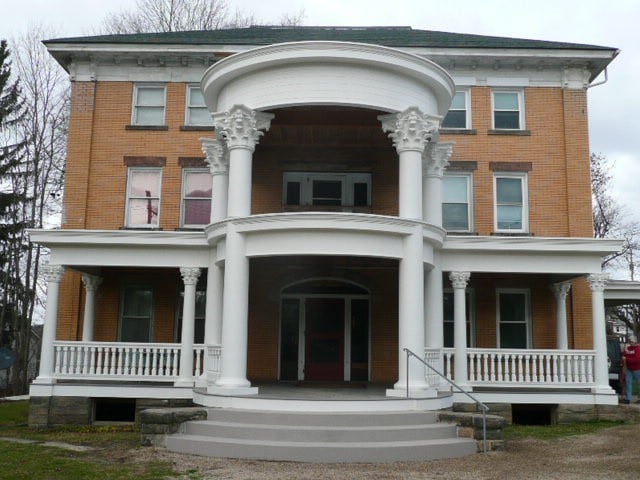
<point x="324" y="338"/>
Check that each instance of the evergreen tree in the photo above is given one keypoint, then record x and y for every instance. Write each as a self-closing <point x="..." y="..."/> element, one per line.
<point x="12" y="148"/>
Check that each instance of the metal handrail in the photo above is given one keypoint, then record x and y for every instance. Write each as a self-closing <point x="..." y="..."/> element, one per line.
<point x="484" y="408"/>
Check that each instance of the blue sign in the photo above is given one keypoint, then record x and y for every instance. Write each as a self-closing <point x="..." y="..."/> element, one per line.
<point x="7" y="358"/>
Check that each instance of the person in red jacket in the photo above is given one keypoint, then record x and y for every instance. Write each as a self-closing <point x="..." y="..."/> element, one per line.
<point x="631" y="362"/>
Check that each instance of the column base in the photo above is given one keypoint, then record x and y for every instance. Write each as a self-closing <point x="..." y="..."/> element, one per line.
<point x="603" y="390"/>
<point x="44" y="381"/>
<point x="417" y="392"/>
<point x="231" y="391"/>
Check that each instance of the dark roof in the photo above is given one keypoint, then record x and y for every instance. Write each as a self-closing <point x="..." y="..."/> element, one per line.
<point x="388" y="36"/>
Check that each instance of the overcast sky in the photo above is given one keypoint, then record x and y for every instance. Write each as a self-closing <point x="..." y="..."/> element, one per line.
<point x="613" y="23"/>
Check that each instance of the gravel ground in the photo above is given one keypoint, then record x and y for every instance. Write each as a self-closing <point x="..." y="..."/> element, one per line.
<point x="612" y="453"/>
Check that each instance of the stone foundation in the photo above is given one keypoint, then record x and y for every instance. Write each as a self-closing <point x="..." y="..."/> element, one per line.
<point x="156" y="423"/>
<point x="470" y="426"/>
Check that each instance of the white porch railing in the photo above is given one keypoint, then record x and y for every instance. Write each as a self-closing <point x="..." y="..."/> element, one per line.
<point x="122" y="361"/>
<point x="486" y="366"/>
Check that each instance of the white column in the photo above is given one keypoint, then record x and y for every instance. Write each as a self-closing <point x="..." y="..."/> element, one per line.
<point x="218" y="160"/>
<point x="190" y="277"/>
<point x="459" y="282"/>
<point x="240" y="128"/>
<point x="435" y="160"/>
<point x="597" y="282"/>
<point x="560" y="290"/>
<point x="53" y="275"/>
<point x="91" y="284"/>
<point x="410" y="131"/>
<point x="213" y="321"/>
<point x="434" y="328"/>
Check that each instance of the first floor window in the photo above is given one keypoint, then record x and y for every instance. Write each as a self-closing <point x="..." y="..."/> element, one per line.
<point x="456" y="202"/>
<point x="511" y="209"/>
<point x="327" y="189"/>
<point x="448" y="316"/>
<point x="148" y="105"/>
<point x="201" y="304"/>
<point x="513" y="318"/>
<point x="196" y="197"/>
<point x="197" y="112"/>
<point x="143" y="197"/>
<point x="508" y="112"/>
<point x="458" y="114"/>
<point x="136" y="315"/>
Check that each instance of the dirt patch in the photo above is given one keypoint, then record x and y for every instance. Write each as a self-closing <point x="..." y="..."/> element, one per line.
<point x="611" y="454"/>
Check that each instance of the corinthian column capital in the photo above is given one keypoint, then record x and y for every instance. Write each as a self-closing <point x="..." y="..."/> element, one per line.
<point x="54" y="273"/>
<point x="217" y="155"/>
<point x="436" y="158"/>
<point x="190" y="275"/>
<point x="411" y="129"/>
<point x="240" y="127"/>
<point x="597" y="281"/>
<point x="561" y="290"/>
<point x="91" y="282"/>
<point x="459" y="279"/>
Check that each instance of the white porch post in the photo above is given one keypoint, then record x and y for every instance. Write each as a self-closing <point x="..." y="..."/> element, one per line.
<point x="91" y="284"/>
<point x="459" y="282"/>
<point x="597" y="282"/>
<point x="240" y="128"/>
<point x="218" y="160"/>
<point x="435" y="159"/>
<point x="190" y="278"/>
<point x="560" y="290"/>
<point x="53" y="274"/>
<point x="410" y="131"/>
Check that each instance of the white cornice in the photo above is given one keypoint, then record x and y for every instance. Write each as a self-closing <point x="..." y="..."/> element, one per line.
<point x="69" y="237"/>
<point x="589" y="246"/>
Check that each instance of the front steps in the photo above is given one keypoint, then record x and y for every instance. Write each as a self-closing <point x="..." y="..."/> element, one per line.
<point x="321" y="437"/>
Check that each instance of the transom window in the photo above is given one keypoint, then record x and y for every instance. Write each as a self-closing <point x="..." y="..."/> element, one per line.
<point x="508" y="112"/>
<point x="148" y="105"/>
<point x="196" y="197"/>
<point x="511" y="209"/>
<point x="459" y="113"/>
<point x="143" y="197"/>
<point x="327" y="189"/>
<point x="136" y="314"/>
<point x="513" y="318"/>
<point x="456" y="202"/>
<point x="197" y="112"/>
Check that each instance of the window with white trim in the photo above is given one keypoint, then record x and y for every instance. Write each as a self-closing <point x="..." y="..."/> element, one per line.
<point x="136" y="314"/>
<point x="459" y="114"/>
<point x="511" y="203"/>
<point x="514" y="318"/>
<point x="143" y="197"/>
<point x="448" y="318"/>
<point x="196" y="197"/>
<point x="457" y="205"/>
<point x="197" y="112"/>
<point x="148" y="104"/>
<point x="327" y="189"/>
<point x="508" y="110"/>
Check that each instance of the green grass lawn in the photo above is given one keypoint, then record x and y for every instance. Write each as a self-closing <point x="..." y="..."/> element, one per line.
<point x="512" y="432"/>
<point x="111" y="459"/>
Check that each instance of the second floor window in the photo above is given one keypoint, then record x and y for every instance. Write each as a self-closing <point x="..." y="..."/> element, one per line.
<point x="458" y="114"/>
<point x="511" y="209"/>
<point x="508" y="111"/>
<point x="456" y="202"/>
<point x="196" y="197"/>
<point x="197" y="112"/>
<point x="327" y="189"/>
<point x="143" y="197"/>
<point x="148" y="105"/>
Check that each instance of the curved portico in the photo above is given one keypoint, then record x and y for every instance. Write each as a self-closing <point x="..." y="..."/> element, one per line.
<point x="242" y="91"/>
